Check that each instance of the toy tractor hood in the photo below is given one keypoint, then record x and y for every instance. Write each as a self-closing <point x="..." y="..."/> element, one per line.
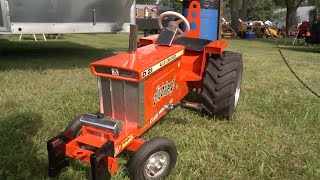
<point x="138" y="65"/>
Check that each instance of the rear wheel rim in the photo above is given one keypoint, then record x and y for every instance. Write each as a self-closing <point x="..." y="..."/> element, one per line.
<point x="156" y="165"/>
<point x="237" y="93"/>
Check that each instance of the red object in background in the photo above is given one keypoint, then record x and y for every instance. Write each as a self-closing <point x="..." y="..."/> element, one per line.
<point x="146" y="12"/>
<point x="304" y="29"/>
<point x="304" y="26"/>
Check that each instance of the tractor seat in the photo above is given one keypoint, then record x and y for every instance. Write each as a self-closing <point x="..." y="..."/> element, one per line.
<point x="193" y="44"/>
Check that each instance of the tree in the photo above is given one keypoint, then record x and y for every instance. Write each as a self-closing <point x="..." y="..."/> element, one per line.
<point x="239" y="10"/>
<point x="247" y="10"/>
<point x="234" y="5"/>
<point x="291" y="6"/>
<point x="264" y="8"/>
<point x="313" y="3"/>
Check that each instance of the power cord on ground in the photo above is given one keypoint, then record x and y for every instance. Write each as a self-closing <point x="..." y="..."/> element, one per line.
<point x="283" y="58"/>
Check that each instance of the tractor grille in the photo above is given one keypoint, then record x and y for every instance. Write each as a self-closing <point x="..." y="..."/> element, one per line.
<point x="122" y="100"/>
<point x="123" y="73"/>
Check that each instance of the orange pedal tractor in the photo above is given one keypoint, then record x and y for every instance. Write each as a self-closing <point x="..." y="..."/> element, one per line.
<point x="139" y="87"/>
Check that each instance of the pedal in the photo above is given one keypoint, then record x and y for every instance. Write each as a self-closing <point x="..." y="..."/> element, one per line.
<point x="191" y="105"/>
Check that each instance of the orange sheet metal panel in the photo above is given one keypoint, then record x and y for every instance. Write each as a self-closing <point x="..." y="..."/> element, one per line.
<point x="160" y="89"/>
<point x="164" y="88"/>
<point x="140" y="62"/>
<point x="192" y="61"/>
<point x="148" y="40"/>
<point x="216" y="47"/>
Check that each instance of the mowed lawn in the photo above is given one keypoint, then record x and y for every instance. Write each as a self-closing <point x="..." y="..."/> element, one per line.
<point x="274" y="134"/>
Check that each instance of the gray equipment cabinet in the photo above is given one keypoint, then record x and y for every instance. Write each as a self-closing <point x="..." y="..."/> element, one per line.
<point x="65" y="16"/>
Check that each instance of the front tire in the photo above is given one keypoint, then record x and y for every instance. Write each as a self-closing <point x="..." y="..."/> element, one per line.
<point x="153" y="160"/>
<point x="74" y="127"/>
<point x="221" y="84"/>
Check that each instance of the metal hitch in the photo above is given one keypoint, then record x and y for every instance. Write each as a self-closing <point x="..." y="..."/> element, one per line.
<point x="56" y="154"/>
<point x="99" y="161"/>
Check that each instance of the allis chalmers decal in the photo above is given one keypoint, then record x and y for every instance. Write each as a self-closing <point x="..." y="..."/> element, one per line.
<point x="162" y="91"/>
<point x="115" y="72"/>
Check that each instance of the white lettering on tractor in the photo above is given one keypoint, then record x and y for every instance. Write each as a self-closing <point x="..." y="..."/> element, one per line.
<point x="166" y="61"/>
<point x="155" y="117"/>
<point x="164" y="90"/>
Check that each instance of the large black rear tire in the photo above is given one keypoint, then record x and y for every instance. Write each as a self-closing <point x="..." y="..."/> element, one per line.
<point x="221" y="84"/>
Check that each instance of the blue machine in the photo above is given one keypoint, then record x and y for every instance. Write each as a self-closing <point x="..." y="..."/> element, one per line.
<point x="209" y="18"/>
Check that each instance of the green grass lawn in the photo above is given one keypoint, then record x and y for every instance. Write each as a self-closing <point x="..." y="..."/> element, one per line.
<point x="274" y="134"/>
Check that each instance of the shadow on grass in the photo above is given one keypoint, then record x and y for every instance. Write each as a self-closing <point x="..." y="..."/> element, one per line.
<point x="288" y="46"/>
<point x="18" y="158"/>
<point x="307" y="49"/>
<point x="49" y="55"/>
<point x="3" y="39"/>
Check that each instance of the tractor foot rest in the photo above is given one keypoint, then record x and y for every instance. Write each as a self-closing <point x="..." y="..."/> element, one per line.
<point x="103" y="123"/>
<point x="191" y="105"/>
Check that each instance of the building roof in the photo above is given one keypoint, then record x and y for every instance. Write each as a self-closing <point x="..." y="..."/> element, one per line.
<point x="141" y="6"/>
<point x="303" y="13"/>
<point x="162" y="8"/>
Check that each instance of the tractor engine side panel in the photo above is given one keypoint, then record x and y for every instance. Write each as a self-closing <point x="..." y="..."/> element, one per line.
<point x="161" y="90"/>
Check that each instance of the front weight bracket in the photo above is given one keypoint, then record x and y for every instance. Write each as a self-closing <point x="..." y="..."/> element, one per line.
<point x="99" y="161"/>
<point x="56" y="154"/>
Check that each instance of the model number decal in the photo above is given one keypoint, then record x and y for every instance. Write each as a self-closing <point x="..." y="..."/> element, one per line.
<point x="154" y="68"/>
<point x="164" y="90"/>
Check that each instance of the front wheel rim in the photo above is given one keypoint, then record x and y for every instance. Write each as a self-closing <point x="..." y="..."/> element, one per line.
<point x="156" y="165"/>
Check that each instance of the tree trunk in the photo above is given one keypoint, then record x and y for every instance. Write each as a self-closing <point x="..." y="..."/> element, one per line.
<point x="244" y="9"/>
<point x="235" y="15"/>
<point x="292" y="7"/>
<point x="289" y="21"/>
